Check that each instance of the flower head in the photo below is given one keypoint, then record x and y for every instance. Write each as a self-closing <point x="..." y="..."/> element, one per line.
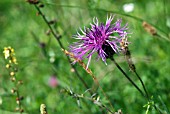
<point x="10" y="54"/>
<point x="53" y="82"/>
<point x="102" y="38"/>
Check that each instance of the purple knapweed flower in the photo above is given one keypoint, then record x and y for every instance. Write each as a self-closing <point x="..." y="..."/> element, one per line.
<point x="102" y="38"/>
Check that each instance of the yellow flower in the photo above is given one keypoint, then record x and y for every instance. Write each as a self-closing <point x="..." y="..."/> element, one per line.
<point x="12" y="73"/>
<point x="43" y="109"/>
<point x="14" y="60"/>
<point x="7" y="66"/>
<point x="6" y="52"/>
<point x="9" y="53"/>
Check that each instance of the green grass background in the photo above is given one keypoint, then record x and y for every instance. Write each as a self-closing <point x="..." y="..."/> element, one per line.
<point x="18" y="23"/>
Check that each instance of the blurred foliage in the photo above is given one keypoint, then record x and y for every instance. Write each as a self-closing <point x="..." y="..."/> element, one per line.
<point x="23" y="30"/>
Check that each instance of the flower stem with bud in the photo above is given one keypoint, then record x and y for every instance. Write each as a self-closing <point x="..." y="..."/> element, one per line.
<point x="11" y="66"/>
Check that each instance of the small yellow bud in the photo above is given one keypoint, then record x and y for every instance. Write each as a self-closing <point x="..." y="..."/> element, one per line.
<point x="12" y="50"/>
<point x="6" y="52"/>
<point x="72" y="70"/>
<point x="18" y="102"/>
<point x="17" y="109"/>
<point x="7" y="66"/>
<point x="13" y="90"/>
<point x="10" y="61"/>
<point x="43" y="109"/>
<point x="9" y="53"/>
<point x="14" y="60"/>
<point x="12" y="79"/>
<point x="12" y="73"/>
<point x="20" y="82"/>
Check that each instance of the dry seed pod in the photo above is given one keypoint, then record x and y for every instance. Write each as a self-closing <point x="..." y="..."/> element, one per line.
<point x="33" y="1"/>
<point x="41" y="5"/>
<point x="52" y="22"/>
<point x="21" y="110"/>
<point x="149" y="28"/>
<point x="127" y="54"/>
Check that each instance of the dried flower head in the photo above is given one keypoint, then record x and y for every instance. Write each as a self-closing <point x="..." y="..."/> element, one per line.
<point x="101" y="38"/>
<point x="149" y="28"/>
<point x="127" y="54"/>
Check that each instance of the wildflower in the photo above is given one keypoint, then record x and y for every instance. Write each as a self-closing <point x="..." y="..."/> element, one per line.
<point x="7" y="66"/>
<point x="12" y="73"/>
<point x="103" y="39"/>
<point x="53" y="82"/>
<point x="43" y="109"/>
<point x="9" y="54"/>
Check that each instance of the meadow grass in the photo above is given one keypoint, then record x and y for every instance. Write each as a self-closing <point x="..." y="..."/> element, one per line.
<point x="40" y="57"/>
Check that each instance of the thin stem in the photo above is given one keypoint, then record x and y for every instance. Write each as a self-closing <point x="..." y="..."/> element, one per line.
<point x="134" y="84"/>
<point x="18" y="96"/>
<point x="99" y="104"/>
<point x="128" y="77"/>
<point x="116" y="12"/>
<point x="156" y="108"/>
<point x="147" y="95"/>
<point x="61" y="45"/>
<point x="84" y="66"/>
<point x="95" y="101"/>
<point x="97" y="82"/>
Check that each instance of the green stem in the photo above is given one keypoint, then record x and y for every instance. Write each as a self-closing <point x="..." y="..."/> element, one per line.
<point x="57" y="37"/>
<point x="147" y="95"/>
<point x="116" y="12"/>
<point x="128" y="77"/>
